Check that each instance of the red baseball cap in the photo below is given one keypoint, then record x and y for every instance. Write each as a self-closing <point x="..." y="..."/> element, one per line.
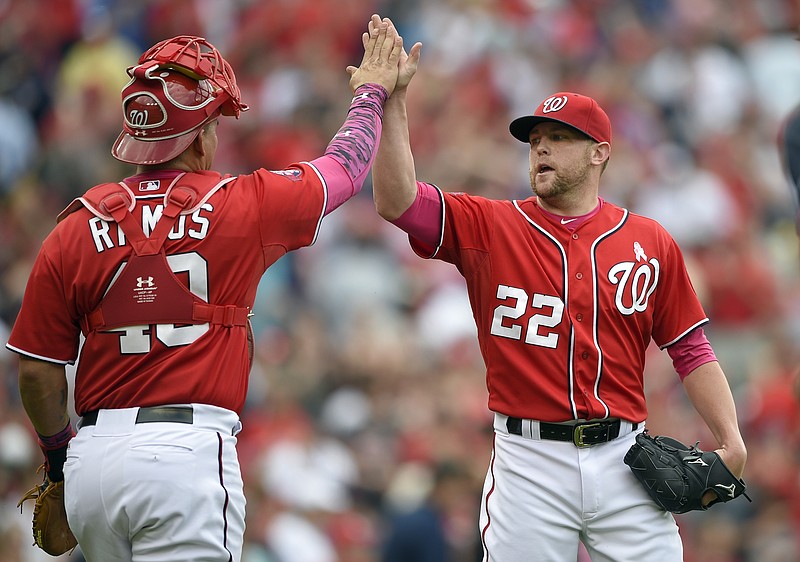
<point x="577" y="111"/>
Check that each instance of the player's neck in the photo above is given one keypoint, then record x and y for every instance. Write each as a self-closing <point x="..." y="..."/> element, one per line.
<point x="568" y="207"/>
<point x="571" y="222"/>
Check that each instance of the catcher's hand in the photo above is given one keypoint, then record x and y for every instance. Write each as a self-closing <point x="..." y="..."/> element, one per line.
<point x="51" y="531"/>
<point x="677" y="477"/>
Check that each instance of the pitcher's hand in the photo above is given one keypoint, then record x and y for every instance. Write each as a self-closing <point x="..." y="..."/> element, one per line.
<point x="382" y="50"/>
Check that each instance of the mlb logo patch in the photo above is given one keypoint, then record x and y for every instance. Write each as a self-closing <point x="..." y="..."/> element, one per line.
<point x="150" y="185"/>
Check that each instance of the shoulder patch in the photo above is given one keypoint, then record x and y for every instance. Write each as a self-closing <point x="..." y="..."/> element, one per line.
<point x="293" y="174"/>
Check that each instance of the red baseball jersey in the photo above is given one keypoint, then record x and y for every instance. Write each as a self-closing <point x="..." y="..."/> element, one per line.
<point x="219" y="252"/>
<point x="564" y="318"/>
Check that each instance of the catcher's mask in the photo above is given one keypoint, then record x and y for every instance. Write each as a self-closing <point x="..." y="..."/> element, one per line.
<point x="179" y="85"/>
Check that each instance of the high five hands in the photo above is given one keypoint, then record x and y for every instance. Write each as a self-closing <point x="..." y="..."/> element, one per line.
<point x="385" y="60"/>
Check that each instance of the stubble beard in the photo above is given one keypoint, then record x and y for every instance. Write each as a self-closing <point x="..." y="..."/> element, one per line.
<point x="562" y="184"/>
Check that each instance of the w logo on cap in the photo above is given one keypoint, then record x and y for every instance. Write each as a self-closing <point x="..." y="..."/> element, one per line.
<point x="554" y="103"/>
<point x="576" y="110"/>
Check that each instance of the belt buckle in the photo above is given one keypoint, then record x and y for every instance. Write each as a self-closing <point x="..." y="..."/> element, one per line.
<point x="577" y="434"/>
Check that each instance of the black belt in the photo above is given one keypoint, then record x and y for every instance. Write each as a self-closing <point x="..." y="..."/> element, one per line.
<point x="582" y="434"/>
<point x="169" y="414"/>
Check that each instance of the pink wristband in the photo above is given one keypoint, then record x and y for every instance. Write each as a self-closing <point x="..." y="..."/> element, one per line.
<point x="52" y="442"/>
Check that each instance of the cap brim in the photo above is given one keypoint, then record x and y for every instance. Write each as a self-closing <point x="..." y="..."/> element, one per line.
<point x="135" y="151"/>
<point x="521" y="127"/>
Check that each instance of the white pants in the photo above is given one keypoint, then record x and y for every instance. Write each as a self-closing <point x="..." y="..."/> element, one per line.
<point x="156" y="492"/>
<point x="541" y="498"/>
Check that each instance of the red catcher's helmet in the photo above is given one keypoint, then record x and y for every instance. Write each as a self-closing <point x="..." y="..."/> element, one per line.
<point x="179" y="85"/>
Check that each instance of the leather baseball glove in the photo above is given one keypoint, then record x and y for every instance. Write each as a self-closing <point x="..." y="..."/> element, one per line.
<point x="677" y="477"/>
<point x="51" y="531"/>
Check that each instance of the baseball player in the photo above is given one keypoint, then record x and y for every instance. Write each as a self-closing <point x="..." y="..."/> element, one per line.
<point x="567" y="290"/>
<point x="159" y="272"/>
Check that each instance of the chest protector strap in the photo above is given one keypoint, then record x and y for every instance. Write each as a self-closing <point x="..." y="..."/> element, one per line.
<point x="146" y="291"/>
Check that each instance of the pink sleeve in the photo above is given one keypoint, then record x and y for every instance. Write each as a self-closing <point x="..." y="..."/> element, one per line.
<point x="691" y="351"/>
<point x="423" y="219"/>
<point x="352" y="150"/>
<point x="338" y="184"/>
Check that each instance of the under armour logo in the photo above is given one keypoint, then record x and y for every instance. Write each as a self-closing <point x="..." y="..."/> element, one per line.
<point x="144" y="282"/>
<point x="729" y="489"/>
<point x="555" y="103"/>
<point x="638" y="251"/>
<point x="360" y="97"/>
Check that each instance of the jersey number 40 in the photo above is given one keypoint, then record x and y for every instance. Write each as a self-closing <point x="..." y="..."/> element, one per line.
<point x="137" y="339"/>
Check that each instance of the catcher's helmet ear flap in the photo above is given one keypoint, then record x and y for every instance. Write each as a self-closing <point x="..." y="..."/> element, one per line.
<point x="179" y="85"/>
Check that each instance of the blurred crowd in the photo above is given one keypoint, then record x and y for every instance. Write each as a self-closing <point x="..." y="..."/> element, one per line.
<point x="366" y="433"/>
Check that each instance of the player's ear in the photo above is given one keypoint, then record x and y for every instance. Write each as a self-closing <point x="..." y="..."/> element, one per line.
<point x="601" y="151"/>
<point x="197" y="144"/>
<point x="201" y="141"/>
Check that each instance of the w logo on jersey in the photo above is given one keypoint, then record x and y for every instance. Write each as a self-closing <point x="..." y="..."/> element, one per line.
<point x="635" y="281"/>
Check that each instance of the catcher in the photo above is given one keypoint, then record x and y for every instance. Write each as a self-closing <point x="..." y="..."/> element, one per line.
<point x="158" y="272"/>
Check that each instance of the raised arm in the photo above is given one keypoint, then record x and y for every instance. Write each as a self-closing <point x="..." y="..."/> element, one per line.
<point x="350" y="153"/>
<point x="393" y="174"/>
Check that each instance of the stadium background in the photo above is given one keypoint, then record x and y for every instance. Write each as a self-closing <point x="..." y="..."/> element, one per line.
<point x="367" y="379"/>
